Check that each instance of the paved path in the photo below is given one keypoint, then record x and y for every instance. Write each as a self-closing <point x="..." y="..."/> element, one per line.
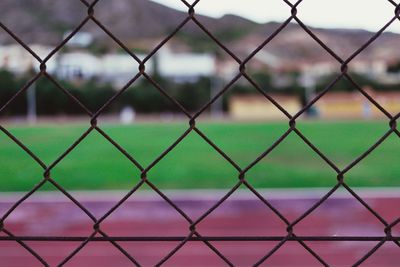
<point x="242" y="215"/>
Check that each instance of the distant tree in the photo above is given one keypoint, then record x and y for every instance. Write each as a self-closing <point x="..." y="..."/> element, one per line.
<point x="94" y="95"/>
<point x="194" y="95"/>
<point x="264" y="79"/>
<point x="394" y="68"/>
<point x="344" y="84"/>
<point x="9" y="85"/>
<point x="51" y="100"/>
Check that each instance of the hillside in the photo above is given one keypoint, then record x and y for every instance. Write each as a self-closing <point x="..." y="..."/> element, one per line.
<point x="141" y="23"/>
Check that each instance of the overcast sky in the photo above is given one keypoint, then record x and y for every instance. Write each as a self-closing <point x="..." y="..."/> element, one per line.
<point x="364" y="14"/>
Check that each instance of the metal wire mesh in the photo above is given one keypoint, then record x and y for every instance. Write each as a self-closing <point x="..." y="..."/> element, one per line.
<point x="193" y="235"/>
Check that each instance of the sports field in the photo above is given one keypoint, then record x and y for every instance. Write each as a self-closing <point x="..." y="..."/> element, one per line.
<point x="97" y="164"/>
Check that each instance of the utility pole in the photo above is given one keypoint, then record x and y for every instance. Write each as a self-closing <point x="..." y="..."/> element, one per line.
<point x="31" y="115"/>
<point x="309" y="83"/>
<point x="216" y="85"/>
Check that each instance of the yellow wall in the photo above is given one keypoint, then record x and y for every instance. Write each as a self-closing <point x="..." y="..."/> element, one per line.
<point x="357" y="107"/>
<point x="257" y="108"/>
<point x="342" y="105"/>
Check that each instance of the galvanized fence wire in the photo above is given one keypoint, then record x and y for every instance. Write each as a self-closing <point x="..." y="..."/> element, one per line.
<point x="193" y="234"/>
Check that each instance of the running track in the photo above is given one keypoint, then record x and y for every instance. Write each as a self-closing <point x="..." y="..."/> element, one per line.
<point x="145" y="214"/>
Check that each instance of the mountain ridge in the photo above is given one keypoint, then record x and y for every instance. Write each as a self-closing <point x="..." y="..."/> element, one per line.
<point x="134" y="22"/>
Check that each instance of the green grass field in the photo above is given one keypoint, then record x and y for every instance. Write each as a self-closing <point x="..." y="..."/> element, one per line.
<point x="96" y="164"/>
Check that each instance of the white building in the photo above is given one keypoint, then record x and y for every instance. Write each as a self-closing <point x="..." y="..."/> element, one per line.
<point x="18" y="60"/>
<point x="79" y="39"/>
<point x="120" y="68"/>
<point x="185" y="67"/>
<point x="114" y="68"/>
<point x="77" y="65"/>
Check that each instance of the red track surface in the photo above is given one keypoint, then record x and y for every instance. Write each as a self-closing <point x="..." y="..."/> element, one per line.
<point x="239" y="216"/>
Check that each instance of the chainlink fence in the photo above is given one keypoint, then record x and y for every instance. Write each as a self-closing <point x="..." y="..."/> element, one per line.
<point x="193" y="235"/>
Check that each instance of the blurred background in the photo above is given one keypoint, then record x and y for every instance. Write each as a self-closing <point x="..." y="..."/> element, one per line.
<point x="191" y="68"/>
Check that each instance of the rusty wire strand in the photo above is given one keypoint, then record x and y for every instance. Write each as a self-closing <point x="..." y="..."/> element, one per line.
<point x="193" y="235"/>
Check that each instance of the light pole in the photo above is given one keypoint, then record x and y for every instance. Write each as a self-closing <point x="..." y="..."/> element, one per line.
<point x="309" y="84"/>
<point x="31" y="115"/>
<point x="216" y="85"/>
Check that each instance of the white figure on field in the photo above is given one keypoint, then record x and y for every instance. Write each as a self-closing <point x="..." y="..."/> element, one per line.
<point x="127" y="115"/>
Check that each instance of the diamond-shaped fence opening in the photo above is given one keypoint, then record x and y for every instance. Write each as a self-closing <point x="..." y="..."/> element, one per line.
<point x="247" y="170"/>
